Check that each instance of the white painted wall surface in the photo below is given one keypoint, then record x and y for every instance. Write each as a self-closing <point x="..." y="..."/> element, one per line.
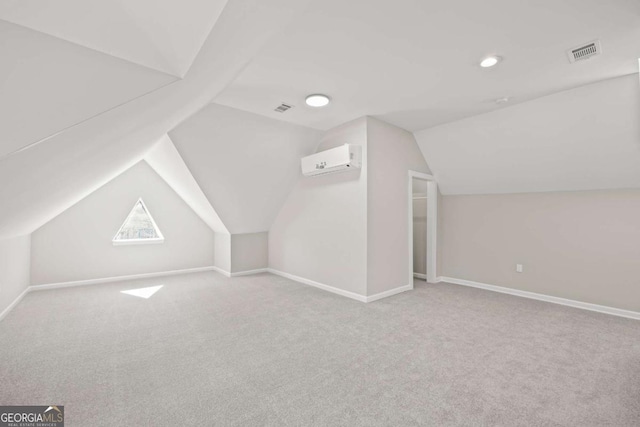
<point x="583" y="246"/>
<point x="581" y="139"/>
<point x="166" y="162"/>
<point x="222" y="258"/>
<point x="320" y="233"/>
<point x="249" y="251"/>
<point x="392" y="152"/>
<point x="49" y="178"/>
<point x="440" y="236"/>
<point x="15" y="260"/>
<point x="76" y="245"/>
<point x="245" y="164"/>
<point x="419" y="226"/>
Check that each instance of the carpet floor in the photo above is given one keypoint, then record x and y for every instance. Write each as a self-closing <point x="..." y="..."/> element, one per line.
<point x="263" y="350"/>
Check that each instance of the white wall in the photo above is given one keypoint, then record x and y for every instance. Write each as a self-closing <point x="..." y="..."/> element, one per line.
<point x="321" y="231"/>
<point x="420" y="236"/>
<point x="222" y="257"/>
<point x="15" y="260"/>
<point x="419" y="227"/>
<point x="76" y="245"/>
<point x="392" y="152"/>
<point x="48" y="178"/>
<point x="581" y="139"/>
<point x="245" y="164"/>
<point x="578" y="245"/>
<point x="166" y="162"/>
<point x="350" y="230"/>
<point x="249" y="251"/>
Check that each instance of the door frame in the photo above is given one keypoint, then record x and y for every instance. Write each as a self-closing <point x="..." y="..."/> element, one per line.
<point x="432" y="224"/>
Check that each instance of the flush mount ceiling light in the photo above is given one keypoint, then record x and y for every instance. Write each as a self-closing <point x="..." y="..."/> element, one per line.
<point x="490" y="61"/>
<point x="317" y="100"/>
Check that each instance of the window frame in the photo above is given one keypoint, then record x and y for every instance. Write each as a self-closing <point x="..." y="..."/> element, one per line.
<point x="151" y="241"/>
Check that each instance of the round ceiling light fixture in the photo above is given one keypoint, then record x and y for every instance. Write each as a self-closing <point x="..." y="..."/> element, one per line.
<point x="490" y="61"/>
<point x="317" y="100"/>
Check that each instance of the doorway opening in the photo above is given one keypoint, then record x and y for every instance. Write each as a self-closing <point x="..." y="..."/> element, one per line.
<point x="423" y="223"/>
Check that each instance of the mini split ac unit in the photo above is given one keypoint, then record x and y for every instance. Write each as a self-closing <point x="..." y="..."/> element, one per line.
<point x="339" y="159"/>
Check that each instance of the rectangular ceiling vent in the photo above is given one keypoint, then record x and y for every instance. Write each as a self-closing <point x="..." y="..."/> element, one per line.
<point x="585" y="51"/>
<point x="283" y="107"/>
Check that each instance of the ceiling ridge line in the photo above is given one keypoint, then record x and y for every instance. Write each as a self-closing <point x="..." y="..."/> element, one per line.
<point x="93" y="49"/>
<point x="46" y="138"/>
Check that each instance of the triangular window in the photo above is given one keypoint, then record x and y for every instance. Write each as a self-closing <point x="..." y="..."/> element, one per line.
<point x="139" y="227"/>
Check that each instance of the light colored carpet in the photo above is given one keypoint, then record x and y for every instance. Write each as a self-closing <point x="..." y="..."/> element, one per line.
<point x="263" y="350"/>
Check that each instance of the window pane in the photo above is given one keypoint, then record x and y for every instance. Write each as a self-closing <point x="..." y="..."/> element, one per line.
<point x="138" y="225"/>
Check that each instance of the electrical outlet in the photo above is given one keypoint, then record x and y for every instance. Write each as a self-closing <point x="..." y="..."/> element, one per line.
<point x="519" y="268"/>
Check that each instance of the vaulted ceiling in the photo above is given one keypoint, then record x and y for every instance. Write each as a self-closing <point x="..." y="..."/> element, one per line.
<point x="53" y="84"/>
<point x="414" y="63"/>
<point x="245" y="164"/>
<point x="91" y="88"/>
<point x="163" y="35"/>
<point x="581" y="139"/>
<point x="42" y="178"/>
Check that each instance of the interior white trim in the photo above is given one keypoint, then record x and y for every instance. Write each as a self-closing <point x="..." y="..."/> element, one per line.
<point x="548" y="298"/>
<point x="155" y="240"/>
<point x="348" y="294"/>
<point x="389" y="293"/>
<point x="250" y="272"/>
<point x="14" y="303"/>
<point x="319" y="285"/>
<point x="47" y="286"/>
<point x="432" y="224"/>
<point x="221" y="271"/>
<point x="420" y="276"/>
<point x="118" y="278"/>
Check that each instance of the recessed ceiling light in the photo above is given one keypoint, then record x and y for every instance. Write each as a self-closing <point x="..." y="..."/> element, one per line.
<point x="317" y="100"/>
<point x="490" y="61"/>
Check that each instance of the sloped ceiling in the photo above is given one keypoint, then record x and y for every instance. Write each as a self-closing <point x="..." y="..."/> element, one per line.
<point x="166" y="161"/>
<point x="42" y="181"/>
<point x="582" y="139"/>
<point x="411" y="63"/>
<point x="245" y="164"/>
<point x="415" y="63"/>
<point x="164" y="35"/>
<point x="52" y="84"/>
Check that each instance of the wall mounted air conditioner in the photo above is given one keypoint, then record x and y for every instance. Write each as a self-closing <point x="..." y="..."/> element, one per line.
<point x="339" y="159"/>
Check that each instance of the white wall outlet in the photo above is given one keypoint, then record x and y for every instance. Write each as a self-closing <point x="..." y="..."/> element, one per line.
<point x="518" y="268"/>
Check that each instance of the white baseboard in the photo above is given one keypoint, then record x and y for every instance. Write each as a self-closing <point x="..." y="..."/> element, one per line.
<point x="14" y="303"/>
<point x="221" y="271"/>
<point x="319" y="285"/>
<point x="74" y="283"/>
<point x="542" y="297"/>
<point x="389" y="293"/>
<point x="118" y="278"/>
<point x="34" y="288"/>
<point x="420" y="276"/>
<point x="240" y="273"/>
<point x="338" y="291"/>
<point x="249" y="272"/>
<point x="438" y="279"/>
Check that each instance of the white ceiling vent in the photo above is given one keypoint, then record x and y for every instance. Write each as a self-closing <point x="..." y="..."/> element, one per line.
<point x="585" y="51"/>
<point x="282" y="108"/>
